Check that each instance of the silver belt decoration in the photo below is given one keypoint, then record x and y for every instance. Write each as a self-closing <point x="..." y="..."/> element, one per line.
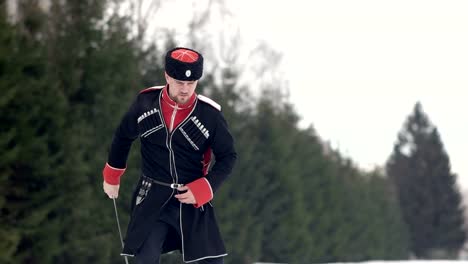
<point x="144" y="188"/>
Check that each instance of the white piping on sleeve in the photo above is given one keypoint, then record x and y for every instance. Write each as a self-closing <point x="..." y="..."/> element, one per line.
<point x="211" y="190"/>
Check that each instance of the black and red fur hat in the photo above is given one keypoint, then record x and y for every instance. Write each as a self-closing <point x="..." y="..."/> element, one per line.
<point x="184" y="64"/>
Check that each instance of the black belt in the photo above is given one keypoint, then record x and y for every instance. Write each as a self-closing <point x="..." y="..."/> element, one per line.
<point x="170" y="185"/>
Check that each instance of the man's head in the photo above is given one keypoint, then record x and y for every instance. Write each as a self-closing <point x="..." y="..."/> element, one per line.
<point x="183" y="69"/>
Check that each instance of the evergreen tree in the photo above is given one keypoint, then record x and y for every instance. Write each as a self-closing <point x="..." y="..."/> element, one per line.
<point x="281" y="206"/>
<point x="373" y="227"/>
<point x="30" y="139"/>
<point x="430" y="200"/>
<point x="352" y="214"/>
<point x="65" y="74"/>
<point x="97" y="68"/>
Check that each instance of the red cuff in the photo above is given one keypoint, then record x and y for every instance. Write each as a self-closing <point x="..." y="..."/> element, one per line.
<point x="112" y="175"/>
<point x="201" y="190"/>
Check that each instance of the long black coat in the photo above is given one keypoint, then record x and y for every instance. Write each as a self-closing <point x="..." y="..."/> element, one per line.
<point x="200" y="234"/>
<point x="174" y="157"/>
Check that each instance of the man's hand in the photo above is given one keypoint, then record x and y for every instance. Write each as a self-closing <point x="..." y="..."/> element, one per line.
<point x="186" y="197"/>
<point x="111" y="190"/>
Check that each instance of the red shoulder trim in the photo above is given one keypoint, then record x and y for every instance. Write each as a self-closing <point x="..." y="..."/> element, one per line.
<point x="152" y="89"/>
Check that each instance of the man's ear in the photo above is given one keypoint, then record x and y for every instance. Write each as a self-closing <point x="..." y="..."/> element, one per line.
<point x="167" y="77"/>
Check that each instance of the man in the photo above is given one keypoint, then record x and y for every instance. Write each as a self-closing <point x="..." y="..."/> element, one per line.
<point x="178" y="130"/>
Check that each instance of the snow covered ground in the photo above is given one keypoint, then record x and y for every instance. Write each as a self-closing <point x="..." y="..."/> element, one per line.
<point x="393" y="262"/>
<point x="410" y="262"/>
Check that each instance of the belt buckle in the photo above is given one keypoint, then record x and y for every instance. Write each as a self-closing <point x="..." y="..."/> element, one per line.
<point x="176" y="185"/>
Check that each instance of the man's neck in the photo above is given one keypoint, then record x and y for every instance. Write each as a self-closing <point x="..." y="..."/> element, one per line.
<point x="172" y="102"/>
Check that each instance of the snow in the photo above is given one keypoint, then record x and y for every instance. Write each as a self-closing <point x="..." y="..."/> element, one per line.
<point x="393" y="262"/>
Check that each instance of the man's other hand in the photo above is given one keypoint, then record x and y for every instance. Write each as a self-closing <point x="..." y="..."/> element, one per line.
<point x="111" y="190"/>
<point x="186" y="197"/>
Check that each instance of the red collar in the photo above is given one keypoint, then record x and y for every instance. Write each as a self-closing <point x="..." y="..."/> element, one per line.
<point x="167" y="99"/>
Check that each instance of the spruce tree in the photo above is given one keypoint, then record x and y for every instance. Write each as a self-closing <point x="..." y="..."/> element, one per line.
<point x="237" y="198"/>
<point x="428" y="194"/>
<point x="95" y="64"/>
<point x="30" y="140"/>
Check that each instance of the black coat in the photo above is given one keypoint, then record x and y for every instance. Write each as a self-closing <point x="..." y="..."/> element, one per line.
<point x="174" y="158"/>
<point x="200" y="234"/>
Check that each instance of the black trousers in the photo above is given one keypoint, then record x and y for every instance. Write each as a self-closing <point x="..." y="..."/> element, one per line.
<point x="150" y="252"/>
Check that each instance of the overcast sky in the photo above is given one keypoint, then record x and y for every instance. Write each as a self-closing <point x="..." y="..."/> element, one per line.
<point x="356" y="68"/>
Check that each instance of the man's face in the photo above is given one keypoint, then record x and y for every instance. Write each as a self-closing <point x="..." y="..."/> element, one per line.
<point x="180" y="91"/>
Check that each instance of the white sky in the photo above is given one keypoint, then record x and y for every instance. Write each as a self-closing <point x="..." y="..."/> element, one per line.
<point x="356" y="68"/>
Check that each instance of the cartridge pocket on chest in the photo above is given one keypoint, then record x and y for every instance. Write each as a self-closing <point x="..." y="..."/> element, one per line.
<point x="149" y="122"/>
<point x="195" y="132"/>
